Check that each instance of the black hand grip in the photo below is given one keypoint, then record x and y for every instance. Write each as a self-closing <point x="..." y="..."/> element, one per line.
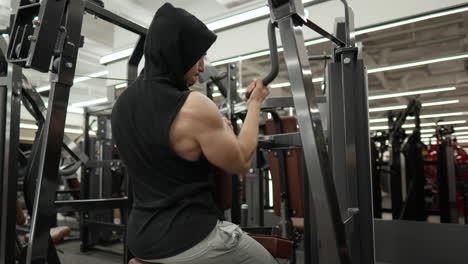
<point x="273" y="56"/>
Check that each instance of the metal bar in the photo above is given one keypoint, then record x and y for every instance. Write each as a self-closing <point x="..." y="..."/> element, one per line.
<point x="72" y="148"/>
<point x="6" y="253"/>
<point x="324" y="33"/>
<point x="324" y="198"/>
<point x="44" y="211"/>
<point x="135" y="58"/>
<point x="106" y="225"/>
<point x="232" y="72"/>
<point x="285" y="222"/>
<point x="273" y="55"/>
<point x="84" y="186"/>
<point x="269" y="103"/>
<point x="452" y="182"/>
<point x="114" y="19"/>
<point x="91" y="204"/>
<point x="349" y="146"/>
<point x="286" y="140"/>
<point x="376" y="181"/>
<point x="414" y="208"/>
<point x="103" y="163"/>
<point x="363" y="238"/>
<point x="37" y="106"/>
<point x="10" y="119"/>
<point x="310" y="241"/>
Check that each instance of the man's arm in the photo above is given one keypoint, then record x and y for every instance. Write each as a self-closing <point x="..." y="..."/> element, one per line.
<point x="216" y="139"/>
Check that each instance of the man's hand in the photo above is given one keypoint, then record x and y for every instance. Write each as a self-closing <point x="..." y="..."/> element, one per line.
<point x="228" y="123"/>
<point x="258" y="92"/>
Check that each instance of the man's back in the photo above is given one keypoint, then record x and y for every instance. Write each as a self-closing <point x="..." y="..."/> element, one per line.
<point x="172" y="196"/>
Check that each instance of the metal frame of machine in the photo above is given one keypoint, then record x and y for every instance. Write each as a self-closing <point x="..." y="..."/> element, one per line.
<point x="36" y="23"/>
<point x="341" y="221"/>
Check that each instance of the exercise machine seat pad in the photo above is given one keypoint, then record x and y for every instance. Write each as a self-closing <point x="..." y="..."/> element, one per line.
<point x="20" y="218"/>
<point x="294" y="167"/>
<point x="277" y="246"/>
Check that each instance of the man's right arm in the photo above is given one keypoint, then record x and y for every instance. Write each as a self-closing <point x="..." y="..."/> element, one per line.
<point x="217" y="141"/>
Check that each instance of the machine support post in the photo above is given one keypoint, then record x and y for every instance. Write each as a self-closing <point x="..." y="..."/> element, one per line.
<point x="10" y="96"/>
<point x="44" y="208"/>
<point x="332" y="233"/>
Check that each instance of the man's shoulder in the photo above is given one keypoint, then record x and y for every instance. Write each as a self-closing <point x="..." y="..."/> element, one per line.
<point x="199" y="104"/>
<point x="199" y="109"/>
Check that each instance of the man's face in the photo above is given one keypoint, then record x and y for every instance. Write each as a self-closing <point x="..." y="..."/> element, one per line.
<point x="191" y="77"/>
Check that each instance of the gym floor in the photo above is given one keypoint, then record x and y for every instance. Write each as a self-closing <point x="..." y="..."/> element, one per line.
<point x="69" y="252"/>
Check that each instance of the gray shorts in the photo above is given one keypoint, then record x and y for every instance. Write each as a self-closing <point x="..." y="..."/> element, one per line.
<point x="226" y="244"/>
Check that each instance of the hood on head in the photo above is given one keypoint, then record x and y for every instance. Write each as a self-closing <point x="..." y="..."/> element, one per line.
<point x="176" y="40"/>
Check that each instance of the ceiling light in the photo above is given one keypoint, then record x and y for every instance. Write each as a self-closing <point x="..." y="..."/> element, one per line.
<point x="28" y="126"/>
<point x="440" y="115"/>
<point x="462" y="137"/>
<point x="418" y="63"/>
<point x="77" y="80"/>
<point x="427" y="136"/>
<point x="239" y="18"/>
<point x="461" y="128"/>
<point x="397" y="107"/>
<point x="443" y="123"/>
<point x="315" y="41"/>
<point x="70" y="109"/>
<point x="67" y="130"/>
<point x="393" y="95"/>
<point x="411" y="20"/>
<point x="380" y="120"/>
<point x="90" y="102"/>
<point x="75" y="110"/>
<point x="287" y="84"/>
<point x="116" y="56"/>
<point x="121" y="85"/>
<point x="73" y="131"/>
<point x="462" y="141"/>
<point x="240" y="58"/>
<point x="428" y="130"/>
<point x="422" y="125"/>
<point x="441" y="103"/>
<point x="460" y="133"/>
<point x="379" y="128"/>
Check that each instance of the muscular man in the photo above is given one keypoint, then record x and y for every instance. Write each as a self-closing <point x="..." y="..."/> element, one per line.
<point x="169" y="138"/>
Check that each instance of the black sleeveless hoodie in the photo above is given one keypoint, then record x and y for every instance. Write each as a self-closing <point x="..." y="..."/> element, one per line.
<point x="173" y="205"/>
